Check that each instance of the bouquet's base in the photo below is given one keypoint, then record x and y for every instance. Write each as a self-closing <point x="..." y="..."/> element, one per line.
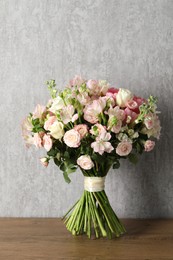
<point x="93" y="214"/>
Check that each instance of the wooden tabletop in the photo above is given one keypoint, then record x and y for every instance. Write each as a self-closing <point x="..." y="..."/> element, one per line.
<point x="35" y="238"/>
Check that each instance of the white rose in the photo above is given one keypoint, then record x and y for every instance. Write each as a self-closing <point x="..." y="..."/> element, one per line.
<point x="123" y="96"/>
<point x="72" y="138"/>
<point x="57" y="104"/>
<point x="57" y="130"/>
<point x="85" y="162"/>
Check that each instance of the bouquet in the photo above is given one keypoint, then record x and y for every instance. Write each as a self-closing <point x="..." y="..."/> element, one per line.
<point x="92" y="125"/>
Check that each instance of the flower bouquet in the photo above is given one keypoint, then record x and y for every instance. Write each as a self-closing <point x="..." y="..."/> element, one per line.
<point x="92" y="126"/>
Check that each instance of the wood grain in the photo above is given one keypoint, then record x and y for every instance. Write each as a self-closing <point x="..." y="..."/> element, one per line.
<point x="44" y="239"/>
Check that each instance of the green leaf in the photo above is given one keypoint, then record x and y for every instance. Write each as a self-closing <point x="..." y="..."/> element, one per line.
<point x="133" y="158"/>
<point x="67" y="179"/>
<point x="116" y="165"/>
<point x="57" y="162"/>
<point x="52" y="152"/>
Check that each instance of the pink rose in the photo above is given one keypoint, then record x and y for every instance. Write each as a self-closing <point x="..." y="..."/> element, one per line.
<point x="149" y="145"/>
<point x="85" y="162"/>
<point x="44" y="161"/>
<point x="47" y="142"/>
<point x="124" y="148"/>
<point x="82" y="129"/>
<point x="49" y="122"/>
<point x="38" y="112"/>
<point x="72" y="138"/>
<point x="37" y="140"/>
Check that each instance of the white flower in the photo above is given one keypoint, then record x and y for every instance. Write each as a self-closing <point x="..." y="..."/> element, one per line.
<point x="123" y="97"/>
<point x="57" y="130"/>
<point x="85" y="162"/>
<point x="72" y="138"/>
<point x="57" y="104"/>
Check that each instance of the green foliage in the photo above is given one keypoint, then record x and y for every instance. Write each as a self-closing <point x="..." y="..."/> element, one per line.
<point x="133" y="158"/>
<point x="51" y="87"/>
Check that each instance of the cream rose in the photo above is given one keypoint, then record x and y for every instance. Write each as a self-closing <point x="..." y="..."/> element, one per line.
<point x="57" y="130"/>
<point x="57" y="104"/>
<point x="123" y="97"/>
<point x="124" y="148"/>
<point x="85" y="162"/>
<point x="72" y="138"/>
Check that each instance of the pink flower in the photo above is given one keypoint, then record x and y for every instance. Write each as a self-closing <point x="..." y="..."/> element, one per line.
<point x="44" y="161"/>
<point x="82" y="129"/>
<point x="149" y="145"/>
<point x="67" y="113"/>
<point x="93" y="110"/>
<point x="102" y="145"/>
<point x="37" y="140"/>
<point x="38" y="112"/>
<point x="139" y="102"/>
<point x="149" y="121"/>
<point x="132" y="104"/>
<point x="47" y="142"/>
<point x="72" y="138"/>
<point x="130" y="115"/>
<point x="97" y="129"/>
<point x="77" y="81"/>
<point x="124" y="148"/>
<point x="93" y="87"/>
<point x="85" y="162"/>
<point x="26" y="131"/>
<point x="116" y="116"/>
<point x="113" y="90"/>
<point x="49" y="122"/>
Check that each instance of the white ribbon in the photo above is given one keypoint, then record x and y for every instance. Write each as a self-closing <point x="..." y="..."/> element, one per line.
<point x="94" y="184"/>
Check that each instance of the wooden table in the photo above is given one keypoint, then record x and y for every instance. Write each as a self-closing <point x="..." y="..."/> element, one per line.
<point x="35" y="238"/>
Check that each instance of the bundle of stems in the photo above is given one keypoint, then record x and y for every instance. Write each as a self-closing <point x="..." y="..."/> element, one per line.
<point x="92" y="214"/>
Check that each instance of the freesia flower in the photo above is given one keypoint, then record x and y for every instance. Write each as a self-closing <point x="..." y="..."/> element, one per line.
<point x="93" y="110"/>
<point x="67" y="114"/>
<point x="149" y="145"/>
<point x="85" y="162"/>
<point x="47" y="142"/>
<point x="116" y="116"/>
<point x="123" y="97"/>
<point x="38" y="112"/>
<point x="102" y="145"/>
<point x="72" y="138"/>
<point x="124" y="148"/>
<point x="77" y="81"/>
<point x="49" y="122"/>
<point x="97" y="129"/>
<point x="37" y="140"/>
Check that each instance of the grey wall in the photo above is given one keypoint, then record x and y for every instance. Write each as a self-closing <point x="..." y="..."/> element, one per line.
<point x="129" y="43"/>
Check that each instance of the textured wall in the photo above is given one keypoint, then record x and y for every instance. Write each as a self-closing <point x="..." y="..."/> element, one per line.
<point x="129" y="43"/>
